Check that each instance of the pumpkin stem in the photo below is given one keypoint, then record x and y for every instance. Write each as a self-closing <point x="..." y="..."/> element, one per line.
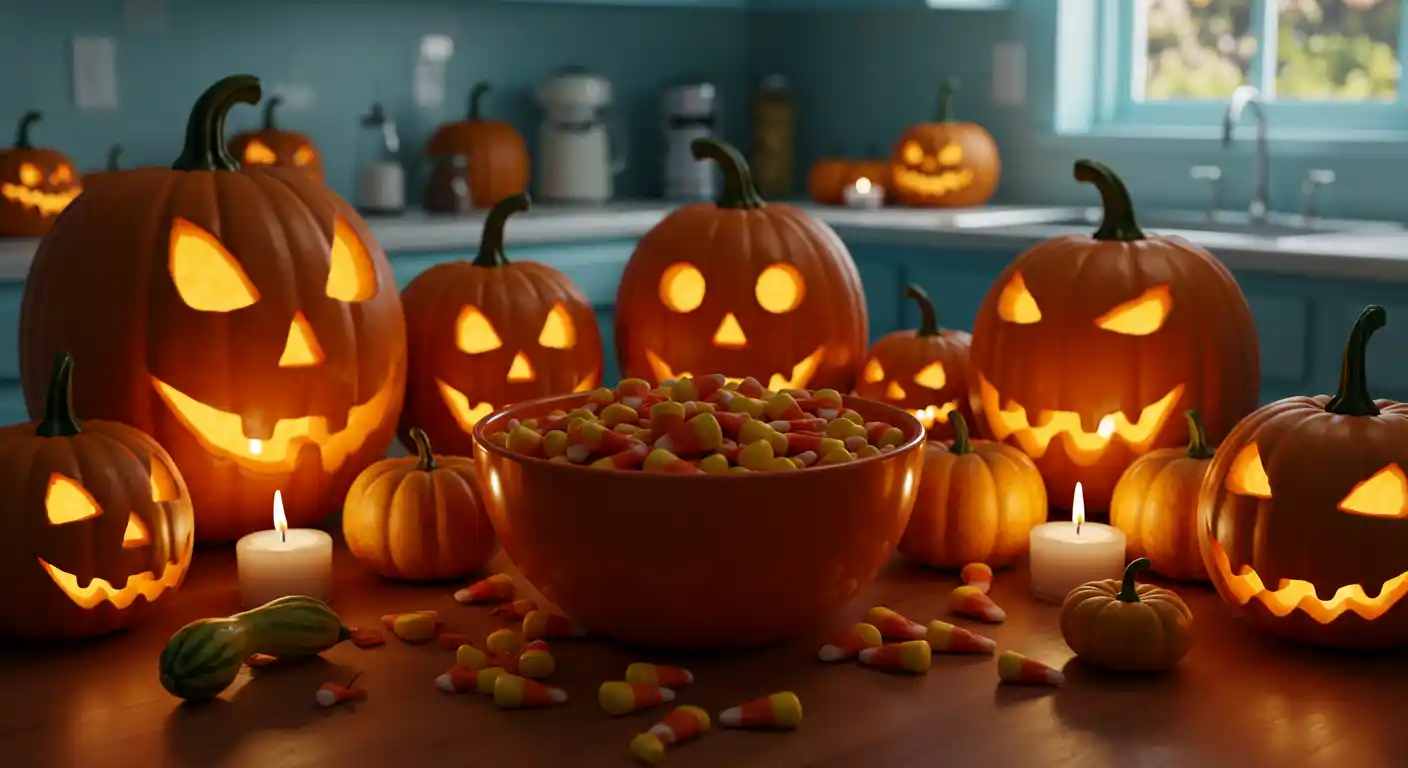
<point x="1119" y="221"/>
<point x="1128" y="593"/>
<point x="114" y="155"/>
<point x="269" y="107"/>
<point x="928" y="320"/>
<point x="426" y="461"/>
<point x="961" y="443"/>
<point x="59" y="420"/>
<point x="26" y="123"/>
<point x="738" y="191"/>
<point x="946" y="92"/>
<point x="205" y="135"/>
<point x="491" y="243"/>
<point x="1353" y="398"/>
<point x="476" y="97"/>
<point x="1198" y="447"/>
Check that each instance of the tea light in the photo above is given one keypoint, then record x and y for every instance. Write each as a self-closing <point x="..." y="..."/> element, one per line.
<point x="863" y="194"/>
<point x="1067" y="555"/>
<point x="283" y="562"/>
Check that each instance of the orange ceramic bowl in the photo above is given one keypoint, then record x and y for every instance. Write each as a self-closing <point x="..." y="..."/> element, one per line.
<point x="698" y="561"/>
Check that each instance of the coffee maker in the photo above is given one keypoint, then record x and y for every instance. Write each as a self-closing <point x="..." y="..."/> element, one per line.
<point x="691" y="112"/>
<point x="579" y="155"/>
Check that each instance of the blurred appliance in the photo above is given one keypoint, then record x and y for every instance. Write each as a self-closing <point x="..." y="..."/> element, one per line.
<point x="381" y="184"/>
<point x="691" y="112"/>
<point x="579" y="156"/>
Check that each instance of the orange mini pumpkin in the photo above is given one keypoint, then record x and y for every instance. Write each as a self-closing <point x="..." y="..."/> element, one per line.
<point x="946" y="163"/>
<point x="828" y="178"/>
<point x="36" y="184"/>
<point x="924" y="371"/>
<point x="485" y="334"/>
<point x="497" y="157"/>
<point x="742" y="287"/>
<point x="1125" y="626"/>
<point x="271" y="145"/>
<point x="1156" y="505"/>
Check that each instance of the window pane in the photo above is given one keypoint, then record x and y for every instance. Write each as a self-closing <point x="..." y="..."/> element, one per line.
<point x="1195" y="49"/>
<point x="1338" y="49"/>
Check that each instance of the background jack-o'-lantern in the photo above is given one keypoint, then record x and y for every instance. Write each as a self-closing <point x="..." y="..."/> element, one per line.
<point x="743" y="288"/>
<point x="245" y="319"/>
<point x="944" y="164"/>
<point x="496" y="158"/>
<point x="36" y="184"/>
<point x="271" y="145"/>
<point x="1087" y="349"/>
<point x="924" y="371"/>
<point x="1303" y="516"/>
<point x="485" y="334"/>
<point x="98" y="522"/>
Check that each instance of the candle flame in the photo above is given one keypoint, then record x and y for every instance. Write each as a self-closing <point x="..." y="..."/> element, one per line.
<point x="863" y="185"/>
<point x="256" y="447"/>
<point x="280" y="519"/>
<point x="1078" y="507"/>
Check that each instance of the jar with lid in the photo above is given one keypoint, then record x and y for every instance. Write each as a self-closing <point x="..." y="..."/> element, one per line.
<point x="774" y="131"/>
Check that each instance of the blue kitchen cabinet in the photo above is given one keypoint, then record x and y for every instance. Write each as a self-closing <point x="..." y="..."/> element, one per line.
<point x="956" y="281"/>
<point x="741" y="4"/>
<point x="611" y="370"/>
<point x="880" y="277"/>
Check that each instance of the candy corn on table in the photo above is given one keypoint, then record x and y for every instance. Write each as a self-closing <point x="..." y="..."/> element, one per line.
<point x="1238" y="699"/>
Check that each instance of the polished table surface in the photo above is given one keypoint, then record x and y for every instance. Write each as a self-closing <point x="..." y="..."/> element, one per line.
<point x="1238" y="699"/>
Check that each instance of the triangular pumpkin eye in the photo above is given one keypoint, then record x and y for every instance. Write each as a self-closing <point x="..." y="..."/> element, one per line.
<point x="931" y="376"/>
<point x="474" y="334"/>
<point x="1384" y="494"/>
<point x="558" y="330"/>
<point x="207" y="276"/>
<point x="874" y="372"/>
<point x="1247" y="475"/>
<point x="258" y="153"/>
<point x="351" y="276"/>
<point x="67" y="501"/>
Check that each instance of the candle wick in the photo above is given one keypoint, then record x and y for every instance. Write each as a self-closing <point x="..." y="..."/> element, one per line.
<point x="1078" y="524"/>
<point x="283" y="534"/>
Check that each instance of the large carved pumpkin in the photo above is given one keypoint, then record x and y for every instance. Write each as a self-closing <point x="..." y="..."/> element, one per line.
<point x="246" y="319"/>
<point x="741" y="287"/>
<point x="1303" y="517"/>
<point x="485" y="334"/>
<point x="36" y="184"/>
<point x="272" y="145"/>
<point x="944" y="164"/>
<point x="497" y="158"/>
<point x="1087" y="349"/>
<point x="97" y="522"/>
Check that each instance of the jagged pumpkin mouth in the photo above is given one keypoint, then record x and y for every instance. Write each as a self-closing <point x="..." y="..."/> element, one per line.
<point x="936" y="184"/>
<point x="46" y="203"/>
<point x="930" y="415"/>
<point x="1291" y="594"/>
<point x="145" y="584"/>
<point x="801" y="375"/>
<point x="1034" y="436"/>
<point x="467" y="415"/>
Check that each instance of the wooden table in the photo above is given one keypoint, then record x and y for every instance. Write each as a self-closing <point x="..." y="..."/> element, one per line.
<point x="1239" y="699"/>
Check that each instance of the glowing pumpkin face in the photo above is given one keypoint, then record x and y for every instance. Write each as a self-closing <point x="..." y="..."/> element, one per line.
<point x="1087" y="349"/>
<point x="36" y="185"/>
<point x="272" y="146"/>
<point x="945" y="163"/>
<point x="1304" y="514"/>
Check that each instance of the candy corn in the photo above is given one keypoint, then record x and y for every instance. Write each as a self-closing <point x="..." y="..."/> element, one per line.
<point x="332" y="693"/>
<point x="661" y="460"/>
<point x="541" y="625"/>
<point x="977" y="576"/>
<point x="508" y="662"/>
<point x="389" y="620"/>
<point x="452" y="641"/>
<point x="683" y="724"/>
<point x="469" y="657"/>
<point x="414" y="627"/>
<point x="779" y="710"/>
<point x="514" y="610"/>
<point x="460" y="680"/>
<point x="658" y="674"/>
<point x="846" y="645"/>
<point x="368" y="638"/>
<point x="632" y="457"/>
<point x="594" y="437"/>
<point x="947" y="638"/>
<point x="618" y="697"/>
<point x="535" y="661"/>
<point x="504" y="641"/>
<point x="969" y="601"/>
<point x="700" y="434"/>
<point x="494" y="589"/>
<point x="514" y="692"/>
<point x="1013" y="667"/>
<point x="910" y="656"/>
<point x="892" y="625"/>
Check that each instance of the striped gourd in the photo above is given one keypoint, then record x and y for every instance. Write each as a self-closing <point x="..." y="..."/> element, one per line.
<point x="205" y="656"/>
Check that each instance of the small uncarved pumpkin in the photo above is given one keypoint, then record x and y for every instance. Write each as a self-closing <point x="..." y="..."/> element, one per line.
<point x="496" y="158"/>
<point x="418" y="518"/>
<point x="1127" y="627"/>
<point x="828" y="179"/>
<point x="36" y="184"/>
<point x="1156" y="505"/>
<point x="271" y="145"/>
<point x="978" y="502"/>
<point x="945" y="163"/>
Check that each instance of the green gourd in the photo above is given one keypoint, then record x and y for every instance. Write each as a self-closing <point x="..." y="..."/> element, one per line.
<point x="205" y="656"/>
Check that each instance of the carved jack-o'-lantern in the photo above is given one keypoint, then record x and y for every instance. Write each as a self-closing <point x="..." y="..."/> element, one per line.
<point x="98" y="522"/>
<point x="485" y="334"/>
<point x="944" y="164"/>
<point x="245" y="319"/>
<point x="271" y="145"/>
<point x="741" y="287"/>
<point x="1303" y="515"/>
<point x="924" y="371"/>
<point x="36" y="184"/>
<point x="1087" y="349"/>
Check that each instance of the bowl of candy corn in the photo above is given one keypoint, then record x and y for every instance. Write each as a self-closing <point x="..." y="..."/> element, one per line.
<point x="703" y="513"/>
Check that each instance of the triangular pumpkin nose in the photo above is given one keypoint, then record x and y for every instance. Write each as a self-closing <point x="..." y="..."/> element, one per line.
<point x="136" y="535"/>
<point x="730" y="334"/>
<point x="302" y="348"/>
<point x="520" y="369"/>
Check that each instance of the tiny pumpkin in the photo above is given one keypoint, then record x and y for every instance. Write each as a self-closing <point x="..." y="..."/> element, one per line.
<point x="272" y="145"/>
<point x="1156" y="505"/>
<point x="828" y="178"/>
<point x="945" y="163"/>
<point x="978" y="502"/>
<point x="924" y="371"/>
<point x="497" y="158"/>
<point x="1127" y="627"/>
<point x="36" y="184"/>
<point x="418" y="518"/>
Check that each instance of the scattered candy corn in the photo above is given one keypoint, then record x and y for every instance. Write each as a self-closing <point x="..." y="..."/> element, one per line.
<point x="893" y="626"/>
<point x="971" y="602"/>
<point x="778" y="710"/>
<point x="453" y="641"/>
<point x="469" y="657"/>
<point x="911" y="656"/>
<point x="978" y="576"/>
<point x="846" y="645"/>
<point x="414" y="627"/>
<point x="658" y="674"/>
<point x="947" y="638"/>
<point x="1013" y="667"/>
<point x="541" y="625"/>
<point x="332" y="693"/>
<point x="504" y="641"/>
<point x="683" y="724"/>
<point x="461" y="680"/>
<point x="514" y="692"/>
<point x="508" y="662"/>
<point x="493" y="589"/>
<point x="389" y="620"/>
<point x="257" y="660"/>
<point x="618" y="697"/>
<point x="535" y="661"/>
<point x="516" y="609"/>
<point x="368" y="638"/>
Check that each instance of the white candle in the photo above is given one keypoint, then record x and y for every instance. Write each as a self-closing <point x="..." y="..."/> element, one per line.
<point x="863" y="194"/>
<point x="283" y="562"/>
<point x="1067" y="555"/>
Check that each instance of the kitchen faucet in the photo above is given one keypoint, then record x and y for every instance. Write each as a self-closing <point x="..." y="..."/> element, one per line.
<point x="1243" y="97"/>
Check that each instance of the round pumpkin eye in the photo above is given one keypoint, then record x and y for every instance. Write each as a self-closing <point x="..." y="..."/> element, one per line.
<point x="30" y="175"/>
<point x="682" y="287"/>
<point x="913" y="153"/>
<point x="780" y="288"/>
<point x="302" y="156"/>
<point x="61" y="175"/>
<point x="257" y="153"/>
<point x="951" y="154"/>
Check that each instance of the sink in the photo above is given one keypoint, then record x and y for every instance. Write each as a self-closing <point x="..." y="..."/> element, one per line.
<point x="1195" y="225"/>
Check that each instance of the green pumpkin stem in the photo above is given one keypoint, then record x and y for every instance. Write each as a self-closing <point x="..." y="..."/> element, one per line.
<point x="1128" y="591"/>
<point x="928" y="320"/>
<point x="425" y="459"/>
<point x="1353" y="398"/>
<point x="59" y="420"/>
<point x="491" y="243"/>
<point x="1198" y="447"/>
<point x="1119" y="221"/>
<point x="27" y="122"/>
<point x="269" y="106"/>
<point x="946" y="92"/>
<point x="962" y="444"/>
<point x="476" y="98"/>
<point x="204" y="149"/>
<point x="738" y="191"/>
<point x="114" y="158"/>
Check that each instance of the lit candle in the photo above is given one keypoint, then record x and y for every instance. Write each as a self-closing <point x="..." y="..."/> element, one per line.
<point x="1067" y="555"/>
<point x="863" y="194"/>
<point x="283" y="562"/>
